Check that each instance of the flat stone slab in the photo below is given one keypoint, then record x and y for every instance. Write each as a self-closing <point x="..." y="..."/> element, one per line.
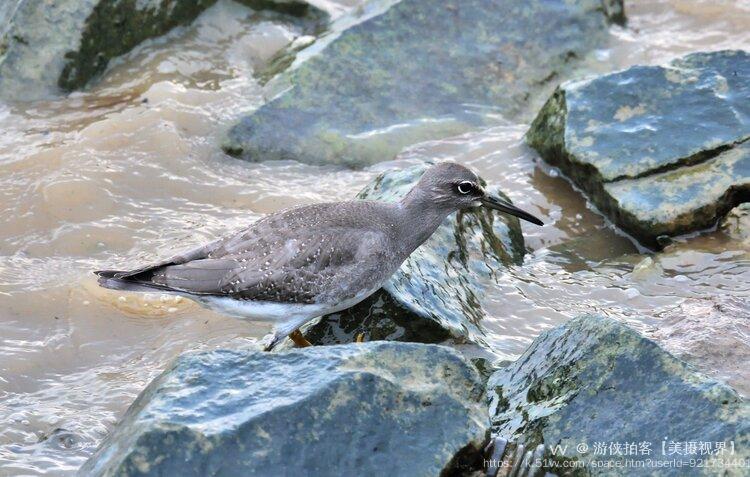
<point x="661" y="150"/>
<point x="593" y="386"/>
<point x="402" y="72"/>
<point x="51" y="46"/>
<point x="436" y="294"/>
<point x="380" y="409"/>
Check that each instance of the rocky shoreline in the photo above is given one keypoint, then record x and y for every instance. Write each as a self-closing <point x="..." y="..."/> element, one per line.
<point x="589" y="391"/>
<point x="661" y="151"/>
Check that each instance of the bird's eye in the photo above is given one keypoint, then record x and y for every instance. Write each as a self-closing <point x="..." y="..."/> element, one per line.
<point x="465" y="187"/>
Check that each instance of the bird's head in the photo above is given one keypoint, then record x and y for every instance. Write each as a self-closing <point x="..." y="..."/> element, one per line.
<point x="454" y="187"/>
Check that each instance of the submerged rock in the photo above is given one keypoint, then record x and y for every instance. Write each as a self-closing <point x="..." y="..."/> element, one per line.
<point x="64" y="44"/>
<point x="372" y="409"/>
<point x="436" y="292"/>
<point x="402" y="72"/>
<point x="661" y="150"/>
<point x="596" y="390"/>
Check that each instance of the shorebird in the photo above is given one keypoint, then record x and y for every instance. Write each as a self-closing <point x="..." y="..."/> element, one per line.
<point x="304" y="262"/>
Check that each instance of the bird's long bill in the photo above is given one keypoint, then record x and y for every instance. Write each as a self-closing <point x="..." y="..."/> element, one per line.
<point x="503" y="206"/>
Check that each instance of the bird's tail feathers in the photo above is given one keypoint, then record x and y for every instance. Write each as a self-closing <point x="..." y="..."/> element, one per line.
<point x="111" y="279"/>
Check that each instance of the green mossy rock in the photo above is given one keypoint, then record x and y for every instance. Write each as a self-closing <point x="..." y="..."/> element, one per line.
<point x="436" y="293"/>
<point x="374" y="409"/>
<point x="61" y="45"/>
<point x="402" y="72"/>
<point x="661" y="150"/>
<point x="595" y="380"/>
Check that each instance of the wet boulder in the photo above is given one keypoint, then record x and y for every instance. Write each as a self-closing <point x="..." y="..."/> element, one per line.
<point x="372" y="409"/>
<point x="47" y="47"/>
<point x="380" y="317"/>
<point x="661" y="150"/>
<point x="594" y="390"/>
<point x="400" y="72"/>
<point x="436" y="294"/>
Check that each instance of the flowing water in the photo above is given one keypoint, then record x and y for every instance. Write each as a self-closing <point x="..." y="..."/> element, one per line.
<point x="131" y="171"/>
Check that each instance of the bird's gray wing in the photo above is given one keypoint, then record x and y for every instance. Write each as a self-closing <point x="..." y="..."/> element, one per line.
<point x="203" y="260"/>
<point x="305" y="266"/>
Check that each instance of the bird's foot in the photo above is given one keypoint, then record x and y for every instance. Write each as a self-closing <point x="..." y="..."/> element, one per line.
<point x="360" y="338"/>
<point x="299" y="339"/>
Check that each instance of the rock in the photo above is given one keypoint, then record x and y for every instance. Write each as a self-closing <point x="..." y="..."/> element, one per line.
<point x="379" y="317"/>
<point x="712" y="334"/>
<point x="593" y="383"/>
<point x="402" y="72"/>
<point x="62" y="45"/>
<point x="436" y="292"/>
<point x="371" y="409"/>
<point x="647" y="269"/>
<point x="659" y="149"/>
<point x="736" y="224"/>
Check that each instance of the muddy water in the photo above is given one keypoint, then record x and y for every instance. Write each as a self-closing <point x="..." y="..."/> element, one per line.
<point x="130" y="171"/>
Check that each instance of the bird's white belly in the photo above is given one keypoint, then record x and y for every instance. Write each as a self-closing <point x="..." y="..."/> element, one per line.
<point x="274" y="311"/>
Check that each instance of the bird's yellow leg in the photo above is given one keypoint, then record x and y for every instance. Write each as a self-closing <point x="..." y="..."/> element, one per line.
<point x="360" y="338"/>
<point x="299" y="339"/>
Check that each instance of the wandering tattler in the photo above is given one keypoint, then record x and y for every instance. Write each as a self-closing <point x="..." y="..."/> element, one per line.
<point x="301" y="263"/>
